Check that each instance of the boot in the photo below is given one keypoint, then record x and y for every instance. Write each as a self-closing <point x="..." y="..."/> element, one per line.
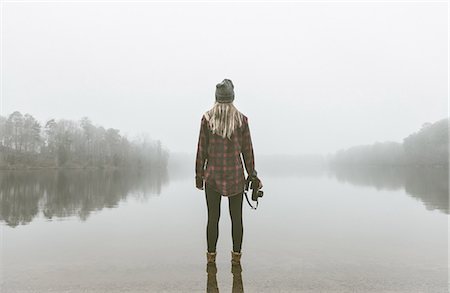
<point x="211" y="257"/>
<point x="236" y="258"/>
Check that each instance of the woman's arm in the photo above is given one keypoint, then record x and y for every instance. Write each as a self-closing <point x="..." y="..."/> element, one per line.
<point x="247" y="149"/>
<point x="202" y="153"/>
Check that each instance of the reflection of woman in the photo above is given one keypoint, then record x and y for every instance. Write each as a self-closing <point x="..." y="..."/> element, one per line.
<point x="211" y="281"/>
<point x="224" y="136"/>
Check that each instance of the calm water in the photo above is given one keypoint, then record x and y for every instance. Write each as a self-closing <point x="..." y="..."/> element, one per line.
<point x="319" y="231"/>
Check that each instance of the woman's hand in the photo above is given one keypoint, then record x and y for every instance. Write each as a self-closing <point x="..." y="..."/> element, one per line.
<point x="199" y="182"/>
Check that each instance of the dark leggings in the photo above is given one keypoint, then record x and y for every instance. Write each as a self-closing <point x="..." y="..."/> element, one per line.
<point x="213" y="199"/>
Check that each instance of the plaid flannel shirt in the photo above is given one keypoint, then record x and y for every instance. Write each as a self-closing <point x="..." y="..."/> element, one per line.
<point x="224" y="171"/>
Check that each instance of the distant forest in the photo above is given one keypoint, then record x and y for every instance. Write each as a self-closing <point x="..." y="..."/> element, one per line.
<point x="26" y="143"/>
<point x="426" y="147"/>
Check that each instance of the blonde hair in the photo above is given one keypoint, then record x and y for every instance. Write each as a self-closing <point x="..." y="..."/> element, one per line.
<point x="223" y="118"/>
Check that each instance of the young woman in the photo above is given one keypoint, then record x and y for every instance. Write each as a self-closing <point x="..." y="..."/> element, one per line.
<point x="224" y="136"/>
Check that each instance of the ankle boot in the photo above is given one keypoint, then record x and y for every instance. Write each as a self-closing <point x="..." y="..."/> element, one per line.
<point x="211" y="257"/>
<point x="236" y="258"/>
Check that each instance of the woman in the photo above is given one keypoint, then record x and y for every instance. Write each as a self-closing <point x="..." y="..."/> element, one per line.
<point x="224" y="136"/>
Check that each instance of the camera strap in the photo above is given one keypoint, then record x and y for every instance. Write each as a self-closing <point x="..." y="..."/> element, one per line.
<point x="247" y="183"/>
<point x="253" y="207"/>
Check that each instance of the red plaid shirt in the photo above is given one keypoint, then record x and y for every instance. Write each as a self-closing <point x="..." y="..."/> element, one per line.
<point x="224" y="171"/>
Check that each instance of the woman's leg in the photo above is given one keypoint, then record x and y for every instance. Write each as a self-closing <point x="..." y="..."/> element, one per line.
<point x="235" y="205"/>
<point x="212" y="229"/>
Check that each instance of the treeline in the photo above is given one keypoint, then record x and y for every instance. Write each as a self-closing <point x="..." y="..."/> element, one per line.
<point x="27" y="143"/>
<point x="426" y="147"/>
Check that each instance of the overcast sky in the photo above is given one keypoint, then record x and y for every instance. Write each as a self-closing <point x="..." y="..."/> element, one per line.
<point x="312" y="78"/>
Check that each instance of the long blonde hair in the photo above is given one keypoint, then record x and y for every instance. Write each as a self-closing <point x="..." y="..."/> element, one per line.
<point x="223" y="118"/>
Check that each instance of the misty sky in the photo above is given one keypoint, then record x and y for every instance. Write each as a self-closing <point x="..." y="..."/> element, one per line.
<point x="312" y="78"/>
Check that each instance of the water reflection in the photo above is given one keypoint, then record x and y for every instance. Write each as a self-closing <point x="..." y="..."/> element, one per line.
<point x="24" y="194"/>
<point x="211" y="281"/>
<point x="429" y="185"/>
<point x="238" y="285"/>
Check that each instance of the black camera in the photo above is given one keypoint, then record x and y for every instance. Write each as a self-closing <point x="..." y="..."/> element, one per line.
<point x="253" y="183"/>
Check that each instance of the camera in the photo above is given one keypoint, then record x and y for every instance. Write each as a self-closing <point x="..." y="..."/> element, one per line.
<point x="253" y="183"/>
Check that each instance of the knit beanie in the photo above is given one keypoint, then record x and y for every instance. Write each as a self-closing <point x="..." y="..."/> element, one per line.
<point x="225" y="91"/>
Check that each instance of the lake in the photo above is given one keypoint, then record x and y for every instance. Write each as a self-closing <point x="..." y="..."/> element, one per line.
<point x="321" y="230"/>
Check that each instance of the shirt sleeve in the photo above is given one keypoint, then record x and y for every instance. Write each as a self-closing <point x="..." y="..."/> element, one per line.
<point x="247" y="149"/>
<point x="202" y="153"/>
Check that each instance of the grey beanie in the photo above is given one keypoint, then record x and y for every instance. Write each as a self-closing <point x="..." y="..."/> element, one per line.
<point x="225" y="91"/>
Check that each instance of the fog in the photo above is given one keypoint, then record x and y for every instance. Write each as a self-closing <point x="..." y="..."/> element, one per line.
<point x="312" y="78"/>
